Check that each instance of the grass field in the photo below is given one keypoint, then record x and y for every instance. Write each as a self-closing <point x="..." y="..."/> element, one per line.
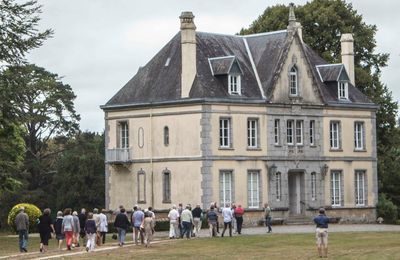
<point x="360" y="245"/>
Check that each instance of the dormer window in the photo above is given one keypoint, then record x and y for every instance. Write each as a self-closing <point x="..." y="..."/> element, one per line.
<point x="234" y="84"/>
<point x="293" y="84"/>
<point x="343" y="93"/>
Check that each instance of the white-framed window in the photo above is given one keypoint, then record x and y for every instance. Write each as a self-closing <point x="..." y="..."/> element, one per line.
<point x="278" y="186"/>
<point x="253" y="189"/>
<point x="289" y="131"/>
<point x="313" y="186"/>
<point x="299" y="132"/>
<point x="123" y="134"/>
<point x="141" y="186"/>
<point x="252" y="133"/>
<point x="277" y="131"/>
<point x="312" y="132"/>
<point x="225" y="132"/>
<point x="225" y="187"/>
<point x="334" y="134"/>
<point x="359" y="142"/>
<point x="234" y="84"/>
<point x="343" y="90"/>
<point x="166" y="186"/>
<point x="166" y="136"/>
<point x="360" y="187"/>
<point x="336" y="189"/>
<point x="293" y="82"/>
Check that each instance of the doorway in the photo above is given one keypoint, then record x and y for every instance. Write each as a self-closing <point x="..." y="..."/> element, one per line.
<point x="296" y="193"/>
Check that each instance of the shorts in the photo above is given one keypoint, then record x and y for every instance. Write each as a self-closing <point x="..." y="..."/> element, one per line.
<point x="321" y="234"/>
<point x="44" y="238"/>
<point x="60" y="237"/>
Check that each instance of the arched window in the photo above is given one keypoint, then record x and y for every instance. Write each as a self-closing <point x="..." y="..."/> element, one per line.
<point x="166" y="175"/>
<point x="293" y="84"/>
<point x="166" y="136"/>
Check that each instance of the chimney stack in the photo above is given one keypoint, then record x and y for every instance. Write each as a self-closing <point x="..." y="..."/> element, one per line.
<point x="188" y="45"/>
<point x="294" y="26"/>
<point x="347" y="46"/>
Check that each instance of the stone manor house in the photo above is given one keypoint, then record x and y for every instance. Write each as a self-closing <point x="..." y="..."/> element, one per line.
<point x="245" y="119"/>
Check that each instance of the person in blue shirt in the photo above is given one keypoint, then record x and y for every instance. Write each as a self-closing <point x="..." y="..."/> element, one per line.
<point x="321" y="233"/>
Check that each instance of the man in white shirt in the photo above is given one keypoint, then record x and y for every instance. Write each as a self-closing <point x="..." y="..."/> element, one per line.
<point x="228" y="216"/>
<point x="173" y="216"/>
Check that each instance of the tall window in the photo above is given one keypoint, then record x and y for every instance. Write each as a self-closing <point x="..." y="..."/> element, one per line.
<point x="234" y="84"/>
<point x="123" y="135"/>
<point x="360" y="188"/>
<point x="166" y="136"/>
<point x="299" y="132"/>
<point x="334" y="134"/>
<point x="289" y="131"/>
<point x="293" y="84"/>
<point x="252" y="133"/>
<point x="359" y="143"/>
<point x="225" y="187"/>
<point x="141" y="186"/>
<point x="278" y="185"/>
<point x="225" y="132"/>
<point x="313" y="186"/>
<point x="312" y="132"/>
<point x="336" y="190"/>
<point x="166" y="186"/>
<point x="277" y="131"/>
<point x="253" y="189"/>
<point x="343" y="90"/>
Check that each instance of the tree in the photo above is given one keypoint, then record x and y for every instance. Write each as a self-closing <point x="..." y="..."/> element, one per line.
<point x="79" y="180"/>
<point x="323" y="22"/>
<point x="44" y="106"/>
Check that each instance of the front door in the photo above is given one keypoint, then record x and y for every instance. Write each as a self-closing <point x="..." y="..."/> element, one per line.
<point x="296" y="192"/>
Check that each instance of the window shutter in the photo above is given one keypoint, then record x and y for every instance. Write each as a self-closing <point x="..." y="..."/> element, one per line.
<point x="341" y="189"/>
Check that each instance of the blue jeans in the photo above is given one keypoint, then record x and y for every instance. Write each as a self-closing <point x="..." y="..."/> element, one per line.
<point x="187" y="227"/>
<point x="23" y="240"/>
<point x="121" y="235"/>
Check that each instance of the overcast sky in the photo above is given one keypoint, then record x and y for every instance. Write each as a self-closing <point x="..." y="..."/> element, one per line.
<point x="98" y="45"/>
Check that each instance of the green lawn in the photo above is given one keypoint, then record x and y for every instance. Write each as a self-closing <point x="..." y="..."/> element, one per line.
<point x="360" y="245"/>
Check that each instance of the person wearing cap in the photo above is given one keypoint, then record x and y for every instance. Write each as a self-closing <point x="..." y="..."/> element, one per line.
<point x="321" y="233"/>
<point x="173" y="216"/>
<point x="197" y="212"/>
<point x="22" y="223"/>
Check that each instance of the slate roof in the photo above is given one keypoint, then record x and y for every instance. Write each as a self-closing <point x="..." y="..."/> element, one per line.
<point x="160" y="78"/>
<point x="329" y="72"/>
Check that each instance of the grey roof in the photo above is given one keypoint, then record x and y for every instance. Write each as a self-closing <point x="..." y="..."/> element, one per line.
<point x="160" y="79"/>
<point x="332" y="72"/>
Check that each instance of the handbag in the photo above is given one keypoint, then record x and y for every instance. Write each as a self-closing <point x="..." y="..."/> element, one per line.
<point x="114" y="236"/>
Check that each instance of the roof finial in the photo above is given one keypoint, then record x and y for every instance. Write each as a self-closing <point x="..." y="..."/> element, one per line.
<point x="292" y="17"/>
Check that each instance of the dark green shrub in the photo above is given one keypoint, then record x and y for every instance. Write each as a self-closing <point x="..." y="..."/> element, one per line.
<point x="386" y="209"/>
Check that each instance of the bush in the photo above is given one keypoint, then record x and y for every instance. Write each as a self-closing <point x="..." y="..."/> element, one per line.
<point x="33" y="213"/>
<point x="386" y="209"/>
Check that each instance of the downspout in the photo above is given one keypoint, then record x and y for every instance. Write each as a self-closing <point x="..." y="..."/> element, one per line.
<point x="151" y="157"/>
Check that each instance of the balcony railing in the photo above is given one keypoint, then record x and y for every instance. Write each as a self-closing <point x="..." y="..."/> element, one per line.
<point x="118" y="155"/>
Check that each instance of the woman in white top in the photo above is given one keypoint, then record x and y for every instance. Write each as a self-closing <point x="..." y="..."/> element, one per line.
<point x="103" y="226"/>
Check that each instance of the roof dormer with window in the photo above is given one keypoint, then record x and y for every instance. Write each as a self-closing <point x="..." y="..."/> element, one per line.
<point x="228" y="67"/>
<point x="336" y="79"/>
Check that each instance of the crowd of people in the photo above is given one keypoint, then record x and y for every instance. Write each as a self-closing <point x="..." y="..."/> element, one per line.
<point x="92" y="227"/>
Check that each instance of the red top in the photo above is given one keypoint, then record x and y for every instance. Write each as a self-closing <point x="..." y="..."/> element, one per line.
<point x="239" y="211"/>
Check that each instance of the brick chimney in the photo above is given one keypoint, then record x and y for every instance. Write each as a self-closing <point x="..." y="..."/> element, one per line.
<point x="188" y="45"/>
<point x="347" y="46"/>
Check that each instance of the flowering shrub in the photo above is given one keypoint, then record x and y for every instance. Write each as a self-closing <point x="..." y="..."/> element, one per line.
<point x="33" y="213"/>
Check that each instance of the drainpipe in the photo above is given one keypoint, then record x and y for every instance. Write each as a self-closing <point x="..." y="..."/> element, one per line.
<point x="151" y="157"/>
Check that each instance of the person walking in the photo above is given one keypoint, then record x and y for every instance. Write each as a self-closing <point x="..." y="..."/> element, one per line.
<point x="239" y="212"/>
<point x="197" y="213"/>
<point x="137" y="220"/>
<point x="121" y="223"/>
<point x="60" y="236"/>
<point x="91" y="232"/>
<point x="148" y="226"/>
<point x="268" y="217"/>
<point x="227" y="215"/>
<point x="22" y="224"/>
<point x="97" y="220"/>
<point x="82" y="221"/>
<point x="234" y="222"/>
<point x="321" y="233"/>
<point x="68" y="227"/>
<point x="45" y="228"/>
<point x="103" y="226"/>
<point x="212" y="219"/>
<point x="187" y="222"/>
<point x="173" y="216"/>
<point x="180" y="210"/>
<point x="77" y="230"/>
